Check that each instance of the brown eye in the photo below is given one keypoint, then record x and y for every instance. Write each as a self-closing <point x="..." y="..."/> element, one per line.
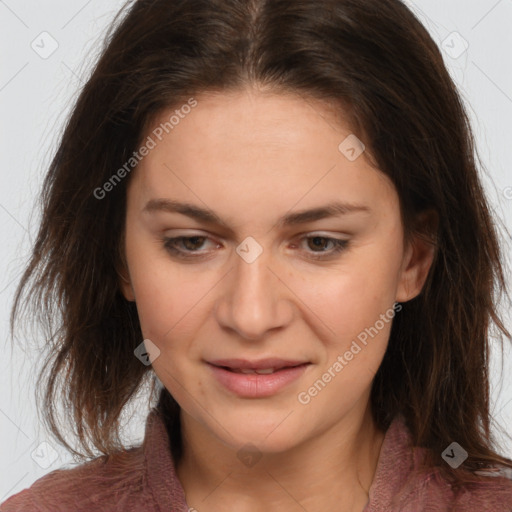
<point x="185" y="246"/>
<point x="324" y="247"/>
<point x="318" y="242"/>
<point x="193" y="243"/>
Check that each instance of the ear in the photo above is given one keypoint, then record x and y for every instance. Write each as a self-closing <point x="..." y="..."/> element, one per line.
<point x="125" y="286"/>
<point x="418" y="257"/>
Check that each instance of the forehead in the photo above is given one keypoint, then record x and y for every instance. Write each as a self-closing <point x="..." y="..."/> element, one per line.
<point x="244" y="147"/>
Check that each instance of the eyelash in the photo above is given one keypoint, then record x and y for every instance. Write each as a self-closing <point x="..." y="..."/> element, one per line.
<point x="169" y="244"/>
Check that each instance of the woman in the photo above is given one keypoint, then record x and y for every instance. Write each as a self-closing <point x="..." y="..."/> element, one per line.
<point x="273" y="210"/>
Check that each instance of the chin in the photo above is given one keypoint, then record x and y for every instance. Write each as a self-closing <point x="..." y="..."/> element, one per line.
<point x="263" y="437"/>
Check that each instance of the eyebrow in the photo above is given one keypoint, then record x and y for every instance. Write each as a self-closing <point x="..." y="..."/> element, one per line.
<point x="334" y="209"/>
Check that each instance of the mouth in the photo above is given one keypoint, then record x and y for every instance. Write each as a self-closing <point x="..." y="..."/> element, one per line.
<point x="257" y="379"/>
<point x="259" y="371"/>
<point x="261" y="367"/>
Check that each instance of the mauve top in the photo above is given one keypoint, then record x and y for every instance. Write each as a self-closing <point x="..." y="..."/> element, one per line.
<point x="143" y="479"/>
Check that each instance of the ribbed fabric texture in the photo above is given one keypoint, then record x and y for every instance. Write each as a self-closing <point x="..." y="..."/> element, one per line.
<point x="143" y="479"/>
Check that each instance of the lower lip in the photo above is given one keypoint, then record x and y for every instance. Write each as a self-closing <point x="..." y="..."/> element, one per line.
<point x="254" y="385"/>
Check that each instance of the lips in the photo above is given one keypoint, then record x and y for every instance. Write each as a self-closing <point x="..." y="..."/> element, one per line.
<point x="258" y="366"/>
<point x="248" y="371"/>
<point x="257" y="379"/>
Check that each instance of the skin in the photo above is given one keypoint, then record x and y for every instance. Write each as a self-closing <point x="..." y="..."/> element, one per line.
<point x="251" y="156"/>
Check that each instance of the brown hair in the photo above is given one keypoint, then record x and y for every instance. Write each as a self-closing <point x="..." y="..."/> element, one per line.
<point x="376" y="60"/>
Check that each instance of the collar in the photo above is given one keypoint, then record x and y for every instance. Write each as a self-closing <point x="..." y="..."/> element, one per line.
<point x="397" y="457"/>
<point x="160" y="473"/>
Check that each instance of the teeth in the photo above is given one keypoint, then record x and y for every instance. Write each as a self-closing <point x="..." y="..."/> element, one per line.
<point x="263" y="371"/>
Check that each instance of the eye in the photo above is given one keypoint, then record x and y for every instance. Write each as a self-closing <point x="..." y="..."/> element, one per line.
<point x="320" y="242"/>
<point x="189" y="247"/>
<point x="185" y="246"/>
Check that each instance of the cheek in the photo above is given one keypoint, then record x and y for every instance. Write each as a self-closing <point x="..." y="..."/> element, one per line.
<point x="168" y="305"/>
<point x="161" y="293"/>
<point x="351" y="298"/>
<point x="173" y="301"/>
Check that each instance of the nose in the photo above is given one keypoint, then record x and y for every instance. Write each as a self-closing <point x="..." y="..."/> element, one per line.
<point x="254" y="299"/>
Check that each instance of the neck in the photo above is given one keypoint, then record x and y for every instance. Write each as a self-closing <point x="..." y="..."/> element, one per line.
<point x="330" y="471"/>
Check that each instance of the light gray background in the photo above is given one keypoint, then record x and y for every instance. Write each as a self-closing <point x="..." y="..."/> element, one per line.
<point x="36" y="93"/>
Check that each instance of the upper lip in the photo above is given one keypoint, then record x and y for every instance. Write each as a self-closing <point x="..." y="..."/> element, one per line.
<point x="244" y="364"/>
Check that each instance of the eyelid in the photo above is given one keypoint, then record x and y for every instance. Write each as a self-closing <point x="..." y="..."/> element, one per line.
<point x="190" y="233"/>
<point x="340" y="245"/>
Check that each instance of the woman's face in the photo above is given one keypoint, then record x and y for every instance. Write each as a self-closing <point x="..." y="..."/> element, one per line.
<point x="292" y="251"/>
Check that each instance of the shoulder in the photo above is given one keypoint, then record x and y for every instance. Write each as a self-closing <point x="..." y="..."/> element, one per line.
<point x="140" y="478"/>
<point x="491" y="494"/>
<point x="97" y="485"/>
<point x="403" y="482"/>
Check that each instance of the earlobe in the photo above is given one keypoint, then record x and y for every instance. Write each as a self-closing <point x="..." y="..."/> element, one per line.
<point x="418" y="258"/>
